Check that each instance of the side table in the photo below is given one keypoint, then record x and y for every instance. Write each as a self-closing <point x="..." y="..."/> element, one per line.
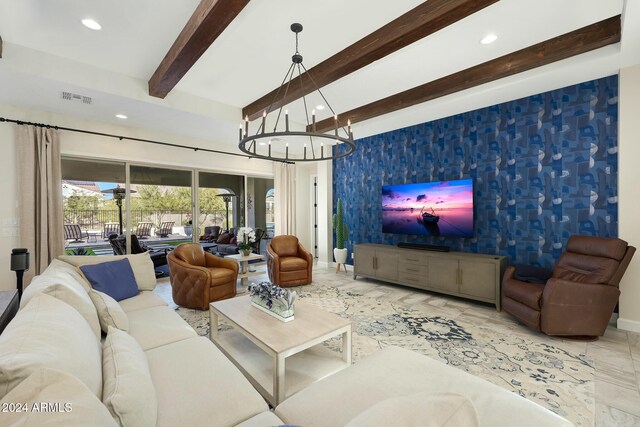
<point x="243" y="263"/>
<point x="9" y="304"/>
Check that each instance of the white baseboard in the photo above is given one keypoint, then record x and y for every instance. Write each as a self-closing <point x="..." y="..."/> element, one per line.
<point x="323" y="264"/>
<point x="628" y="325"/>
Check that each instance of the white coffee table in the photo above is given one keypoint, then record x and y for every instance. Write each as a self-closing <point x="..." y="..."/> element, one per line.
<point x="243" y="263"/>
<point x="280" y="358"/>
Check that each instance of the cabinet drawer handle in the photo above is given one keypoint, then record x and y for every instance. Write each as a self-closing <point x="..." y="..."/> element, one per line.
<point x="411" y="279"/>
<point x="412" y="269"/>
<point x="413" y="259"/>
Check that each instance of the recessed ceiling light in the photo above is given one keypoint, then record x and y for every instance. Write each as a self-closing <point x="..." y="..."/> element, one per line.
<point x="488" y="39"/>
<point x="262" y="143"/>
<point x="320" y="107"/>
<point x="90" y="23"/>
<point x="121" y="116"/>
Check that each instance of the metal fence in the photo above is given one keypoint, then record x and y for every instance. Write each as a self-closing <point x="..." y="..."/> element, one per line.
<point x="95" y="219"/>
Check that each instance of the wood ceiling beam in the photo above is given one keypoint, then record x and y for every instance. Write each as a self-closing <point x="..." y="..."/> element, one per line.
<point x="424" y="19"/>
<point x="583" y="40"/>
<point x="208" y="21"/>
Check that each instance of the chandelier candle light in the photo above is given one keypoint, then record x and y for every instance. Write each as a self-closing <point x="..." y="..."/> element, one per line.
<point x="340" y="142"/>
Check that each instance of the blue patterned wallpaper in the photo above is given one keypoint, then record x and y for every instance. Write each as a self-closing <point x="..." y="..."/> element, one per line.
<point x="544" y="167"/>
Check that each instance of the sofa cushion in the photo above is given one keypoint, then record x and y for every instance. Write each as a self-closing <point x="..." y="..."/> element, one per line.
<point x="141" y="265"/>
<point x="144" y="299"/>
<point x="395" y="372"/>
<point x="292" y="263"/>
<point x="157" y="326"/>
<point x="420" y="409"/>
<point x="49" y="333"/>
<point x="224" y="238"/>
<point x="109" y="311"/>
<point x="128" y="391"/>
<point x="197" y="385"/>
<point x="56" y="266"/>
<point x="114" y="278"/>
<point x="65" y="288"/>
<point x="531" y="274"/>
<point x="73" y="403"/>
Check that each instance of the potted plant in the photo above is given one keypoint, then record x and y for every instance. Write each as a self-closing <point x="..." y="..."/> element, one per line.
<point x="188" y="226"/>
<point x="340" y="252"/>
<point x="246" y="236"/>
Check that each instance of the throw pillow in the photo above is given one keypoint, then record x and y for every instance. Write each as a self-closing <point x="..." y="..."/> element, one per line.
<point x="110" y="313"/>
<point x="234" y="240"/>
<point x="128" y="390"/>
<point x="65" y="288"/>
<point x="73" y="403"/>
<point x="224" y="238"/>
<point x="49" y="333"/>
<point x="141" y="264"/>
<point x="421" y="409"/>
<point x="114" y="278"/>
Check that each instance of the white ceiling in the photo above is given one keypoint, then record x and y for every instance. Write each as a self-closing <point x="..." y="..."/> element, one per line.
<point x="47" y="50"/>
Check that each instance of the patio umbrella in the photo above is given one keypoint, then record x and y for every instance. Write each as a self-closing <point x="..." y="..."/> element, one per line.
<point x="118" y="196"/>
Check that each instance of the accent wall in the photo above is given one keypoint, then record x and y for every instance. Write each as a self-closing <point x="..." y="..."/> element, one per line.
<point x="543" y="167"/>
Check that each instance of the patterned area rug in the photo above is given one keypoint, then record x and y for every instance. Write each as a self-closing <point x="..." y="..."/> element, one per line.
<point x="539" y="369"/>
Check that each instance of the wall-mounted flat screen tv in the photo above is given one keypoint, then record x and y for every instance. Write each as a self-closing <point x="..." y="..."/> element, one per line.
<point x="443" y="208"/>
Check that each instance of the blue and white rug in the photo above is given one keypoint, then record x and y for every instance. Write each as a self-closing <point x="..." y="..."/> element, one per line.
<point x="536" y="367"/>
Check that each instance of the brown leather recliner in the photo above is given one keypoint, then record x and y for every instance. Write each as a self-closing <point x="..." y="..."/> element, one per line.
<point x="198" y="277"/>
<point x="288" y="263"/>
<point x="580" y="296"/>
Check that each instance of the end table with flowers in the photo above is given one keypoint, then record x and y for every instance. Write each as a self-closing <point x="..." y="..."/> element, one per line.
<point x="246" y="236"/>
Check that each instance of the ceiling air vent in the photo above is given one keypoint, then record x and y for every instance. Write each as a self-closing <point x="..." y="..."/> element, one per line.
<point x="76" y="98"/>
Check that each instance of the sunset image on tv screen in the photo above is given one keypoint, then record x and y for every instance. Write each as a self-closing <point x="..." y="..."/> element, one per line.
<point x="442" y="208"/>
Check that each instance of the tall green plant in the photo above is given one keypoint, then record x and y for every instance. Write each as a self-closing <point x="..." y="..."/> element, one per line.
<point x="342" y="234"/>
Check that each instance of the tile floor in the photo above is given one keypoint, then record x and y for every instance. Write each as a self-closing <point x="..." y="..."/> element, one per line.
<point x="616" y="355"/>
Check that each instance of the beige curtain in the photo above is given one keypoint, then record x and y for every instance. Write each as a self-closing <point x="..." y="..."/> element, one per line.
<point x="285" y="199"/>
<point x="39" y="196"/>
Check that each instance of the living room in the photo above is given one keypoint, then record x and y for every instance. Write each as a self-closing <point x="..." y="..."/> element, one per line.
<point x="537" y="181"/>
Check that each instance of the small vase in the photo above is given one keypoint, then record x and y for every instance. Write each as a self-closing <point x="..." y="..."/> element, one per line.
<point x="245" y="252"/>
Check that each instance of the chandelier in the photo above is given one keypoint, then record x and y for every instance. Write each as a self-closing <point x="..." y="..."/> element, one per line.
<point x="305" y="145"/>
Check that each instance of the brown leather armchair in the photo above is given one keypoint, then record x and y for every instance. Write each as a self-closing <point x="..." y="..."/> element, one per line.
<point x="580" y="296"/>
<point x="288" y="263"/>
<point x="198" y="277"/>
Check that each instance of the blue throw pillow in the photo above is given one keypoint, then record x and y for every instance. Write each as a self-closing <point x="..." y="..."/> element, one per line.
<point x="114" y="278"/>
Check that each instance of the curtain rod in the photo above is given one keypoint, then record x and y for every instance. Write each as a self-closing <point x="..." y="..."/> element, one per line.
<point x="120" y="137"/>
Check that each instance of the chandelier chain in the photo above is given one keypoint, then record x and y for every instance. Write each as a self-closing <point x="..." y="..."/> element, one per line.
<point x="337" y="147"/>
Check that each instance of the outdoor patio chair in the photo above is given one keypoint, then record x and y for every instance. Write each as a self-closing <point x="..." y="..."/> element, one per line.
<point x="119" y="245"/>
<point x="110" y="228"/>
<point x="165" y="228"/>
<point x="255" y="246"/>
<point x="143" y="230"/>
<point x="75" y="233"/>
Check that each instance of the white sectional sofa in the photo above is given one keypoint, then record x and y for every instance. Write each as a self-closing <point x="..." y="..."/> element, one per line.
<point x="74" y="357"/>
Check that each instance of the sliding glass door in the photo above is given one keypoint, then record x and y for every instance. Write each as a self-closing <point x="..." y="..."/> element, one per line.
<point x="220" y="201"/>
<point x="162" y="209"/>
<point x="161" y="203"/>
<point x="93" y="202"/>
